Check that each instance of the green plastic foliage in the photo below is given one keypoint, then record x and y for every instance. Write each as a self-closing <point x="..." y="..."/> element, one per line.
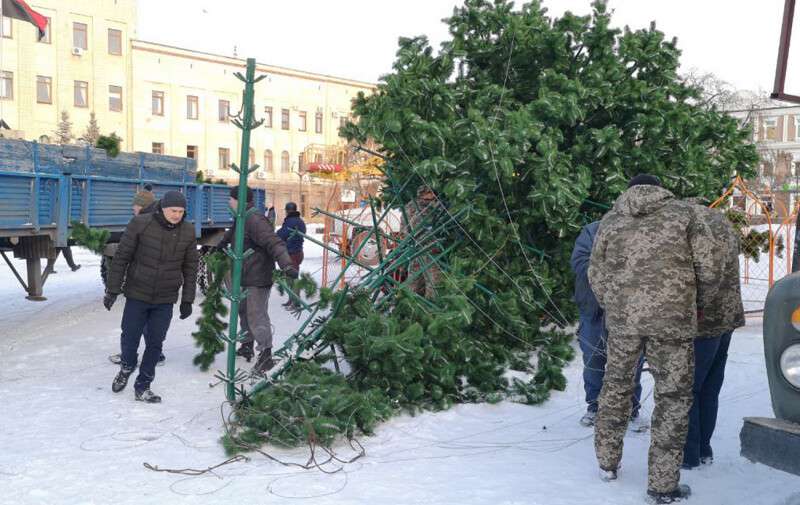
<point x="521" y="120"/>
<point x="92" y="239"/>
<point x="310" y="405"/>
<point x="527" y="127"/>
<point x="212" y="323"/>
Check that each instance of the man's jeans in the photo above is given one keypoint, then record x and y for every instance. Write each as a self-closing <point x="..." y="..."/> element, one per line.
<point x="710" y="357"/>
<point x="135" y="318"/>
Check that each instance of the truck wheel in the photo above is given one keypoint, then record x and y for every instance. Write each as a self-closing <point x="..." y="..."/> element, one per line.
<point x="203" y="273"/>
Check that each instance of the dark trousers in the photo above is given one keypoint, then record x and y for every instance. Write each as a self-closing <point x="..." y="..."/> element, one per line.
<point x="67" y="253"/>
<point x="710" y="356"/>
<point x="149" y="319"/>
<point x="592" y="341"/>
<point x="297" y="259"/>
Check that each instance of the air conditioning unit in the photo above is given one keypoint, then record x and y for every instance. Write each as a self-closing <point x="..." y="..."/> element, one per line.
<point x="261" y="175"/>
<point x="77" y="51"/>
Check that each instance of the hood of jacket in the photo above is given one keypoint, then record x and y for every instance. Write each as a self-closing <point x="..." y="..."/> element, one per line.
<point x="643" y="200"/>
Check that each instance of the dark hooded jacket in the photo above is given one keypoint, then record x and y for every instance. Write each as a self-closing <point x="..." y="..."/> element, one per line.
<point x="293" y="221"/>
<point x="590" y="311"/>
<point x="259" y="235"/>
<point x="154" y="259"/>
<point x="653" y="265"/>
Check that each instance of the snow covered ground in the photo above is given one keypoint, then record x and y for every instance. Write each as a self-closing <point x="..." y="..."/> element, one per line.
<point x="67" y="439"/>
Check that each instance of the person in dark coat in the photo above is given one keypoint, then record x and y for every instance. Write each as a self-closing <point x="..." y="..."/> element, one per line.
<point x="267" y="247"/>
<point x="294" y="243"/>
<point x="592" y="333"/>
<point x="144" y="202"/>
<point x="156" y="257"/>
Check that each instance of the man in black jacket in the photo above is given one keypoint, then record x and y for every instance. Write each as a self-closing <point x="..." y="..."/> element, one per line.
<point x="259" y="235"/>
<point x="156" y="256"/>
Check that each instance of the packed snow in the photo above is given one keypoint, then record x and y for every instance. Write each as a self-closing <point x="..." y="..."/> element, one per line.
<point x="67" y="439"/>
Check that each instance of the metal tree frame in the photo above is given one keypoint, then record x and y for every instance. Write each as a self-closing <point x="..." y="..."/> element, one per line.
<point x="421" y="247"/>
<point x="378" y="281"/>
<point x="778" y="91"/>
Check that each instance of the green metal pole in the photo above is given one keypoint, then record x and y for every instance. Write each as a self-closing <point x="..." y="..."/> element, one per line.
<point x="240" y="216"/>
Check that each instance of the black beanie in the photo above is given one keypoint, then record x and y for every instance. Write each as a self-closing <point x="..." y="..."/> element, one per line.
<point x="173" y="199"/>
<point x="235" y="194"/>
<point x="644" y="180"/>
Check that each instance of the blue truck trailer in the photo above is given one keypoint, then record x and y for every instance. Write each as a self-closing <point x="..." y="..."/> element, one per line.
<point x="45" y="188"/>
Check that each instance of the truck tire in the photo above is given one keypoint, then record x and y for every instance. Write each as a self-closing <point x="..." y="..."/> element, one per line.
<point x="203" y="273"/>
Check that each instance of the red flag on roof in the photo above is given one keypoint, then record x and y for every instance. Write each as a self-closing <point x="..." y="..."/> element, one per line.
<point x="18" y="9"/>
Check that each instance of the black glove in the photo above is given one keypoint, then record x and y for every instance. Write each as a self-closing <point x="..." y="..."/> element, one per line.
<point x="109" y="299"/>
<point x="292" y="273"/>
<point x="186" y="310"/>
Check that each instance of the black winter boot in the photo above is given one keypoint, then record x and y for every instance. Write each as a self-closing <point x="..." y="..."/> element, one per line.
<point x="264" y="362"/>
<point x="246" y="351"/>
<point x="147" y="396"/>
<point x="121" y="380"/>
<point x="678" y="494"/>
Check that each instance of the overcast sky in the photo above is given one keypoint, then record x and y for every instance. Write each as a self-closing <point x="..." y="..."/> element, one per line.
<point x="735" y="39"/>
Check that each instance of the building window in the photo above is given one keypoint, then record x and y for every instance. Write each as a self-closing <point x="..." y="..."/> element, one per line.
<point x="192" y="108"/>
<point x="191" y="152"/>
<point x="45" y="39"/>
<point x="158" y="148"/>
<point x="268" y="160"/>
<point x="303" y="116"/>
<point x="80" y="36"/>
<point x="301" y="162"/>
<point x="303" y="204"/>
<point x="115" y="98"/>
<point x="268" y="117"/>
<point x="251" y="158"/>
<point x="6" y="85"/>
<point x="317" y="158"/>
<point x="318" y="122"/>
<point x="224" y="158"/>
<point x="44" y="89"/>
<point x="342" y="121"/>
<point x="81" y="94"/>
<point x="771" y="129"/>
<point x="158" y="103"/>
<point x="7" y="28"/>
<point x="797" y="127"/>
<point x="285" y="162"/>
<point x="284" y="119"/>
<point x="114" y="41"/>
<point x="224" y="110"/>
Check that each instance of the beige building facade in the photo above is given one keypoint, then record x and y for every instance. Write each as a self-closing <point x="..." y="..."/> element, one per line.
<point x="165" y="99"/>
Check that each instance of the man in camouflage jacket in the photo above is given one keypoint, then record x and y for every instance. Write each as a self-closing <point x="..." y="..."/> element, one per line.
<point x="420" y="214"/>
<point x="652" y="267"/>
<point x="720" y="316"/>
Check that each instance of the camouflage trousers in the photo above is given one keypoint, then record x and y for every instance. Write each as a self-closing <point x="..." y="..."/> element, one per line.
<point x="671" y="363"/>
<point x="424" y="283"/>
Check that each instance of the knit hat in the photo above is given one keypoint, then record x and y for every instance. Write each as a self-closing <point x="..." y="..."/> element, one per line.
<point x="173" y="199"/>
<point x="291" y="207"/>
<point x="644" y="180"/>
<point x="144" y="198"/>
<point x="235" y="194"/>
